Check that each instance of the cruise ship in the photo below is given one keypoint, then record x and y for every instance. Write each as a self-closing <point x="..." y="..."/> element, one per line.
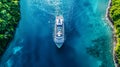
<point x="59" y="31"/>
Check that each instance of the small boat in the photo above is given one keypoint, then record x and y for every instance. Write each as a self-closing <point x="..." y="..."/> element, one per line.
<point x="59" y="31"/>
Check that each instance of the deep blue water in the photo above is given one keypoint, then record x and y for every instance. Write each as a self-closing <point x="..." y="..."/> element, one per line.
<point x="88" y="37"/>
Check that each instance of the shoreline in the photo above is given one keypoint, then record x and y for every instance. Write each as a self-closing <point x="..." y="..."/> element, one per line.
<point x="111" y="23"/>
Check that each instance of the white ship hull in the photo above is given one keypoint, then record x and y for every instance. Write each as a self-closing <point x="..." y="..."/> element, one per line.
<point x="59" y="31"/>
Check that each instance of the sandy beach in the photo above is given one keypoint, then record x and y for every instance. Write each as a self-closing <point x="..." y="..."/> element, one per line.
<point x="110" y="22"/>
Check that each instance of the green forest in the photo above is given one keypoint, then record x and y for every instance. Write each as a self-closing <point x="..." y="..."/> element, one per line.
<point x="9" y="18"/>
<point x="115" y="15"/>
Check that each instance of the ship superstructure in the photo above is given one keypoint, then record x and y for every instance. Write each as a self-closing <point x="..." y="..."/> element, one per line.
<point x="59" y="31"/>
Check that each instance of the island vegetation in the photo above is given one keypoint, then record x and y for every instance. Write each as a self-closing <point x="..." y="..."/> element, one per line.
<point x="114" y="13"/>
<point x="9" y="18"/>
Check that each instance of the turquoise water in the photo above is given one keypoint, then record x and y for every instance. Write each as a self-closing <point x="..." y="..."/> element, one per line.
<point x="88" y="37"/>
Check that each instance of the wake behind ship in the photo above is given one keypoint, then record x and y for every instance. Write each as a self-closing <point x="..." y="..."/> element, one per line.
<point x="59" y="31"/>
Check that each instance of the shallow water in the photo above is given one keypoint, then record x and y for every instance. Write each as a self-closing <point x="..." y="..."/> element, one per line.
<point x="88" y="37"/>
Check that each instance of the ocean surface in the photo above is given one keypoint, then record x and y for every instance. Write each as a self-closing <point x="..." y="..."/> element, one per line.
<point x="88" y="37"/>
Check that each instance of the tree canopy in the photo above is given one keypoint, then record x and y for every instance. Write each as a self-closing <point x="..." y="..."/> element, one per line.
<point x="9" y="18"/>
<point x="115" y="16"/>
